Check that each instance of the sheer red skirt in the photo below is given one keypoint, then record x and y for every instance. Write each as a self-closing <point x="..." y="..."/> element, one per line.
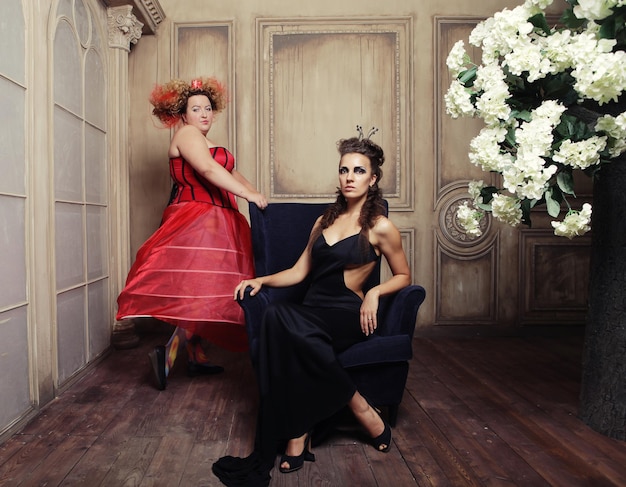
<point x="186" y="272"/>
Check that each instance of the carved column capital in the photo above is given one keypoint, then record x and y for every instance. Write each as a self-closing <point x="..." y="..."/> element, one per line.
<point x="124" y="28"/>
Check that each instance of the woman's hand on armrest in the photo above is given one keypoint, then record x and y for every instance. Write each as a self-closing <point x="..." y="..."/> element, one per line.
<point x="240" y="290"/>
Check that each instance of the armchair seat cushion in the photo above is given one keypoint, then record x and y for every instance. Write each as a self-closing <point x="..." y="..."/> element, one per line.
<point x="377" y="350"/>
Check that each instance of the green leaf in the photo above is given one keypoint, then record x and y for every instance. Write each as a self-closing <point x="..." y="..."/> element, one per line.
<point x="487" y="193"/>
<point x="468" y="75"/>
<point x="524" y="115"/>
<point x="607" y="29"/>
<point x="570" y="20"/>
<point x="565" y="128"/>
<point x="570" y="127"/>
<point x="559" y="87"/>
<point x="510" y="137"/>
<point x="620" y="28"/>
<point x="553" y="206"/>
<point x="539" y="21"/>
<point x="582" y="131"/>
<point x="565" y="181"/>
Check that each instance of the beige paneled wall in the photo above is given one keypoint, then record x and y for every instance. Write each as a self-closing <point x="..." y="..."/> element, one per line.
<point x="301" y="76"/>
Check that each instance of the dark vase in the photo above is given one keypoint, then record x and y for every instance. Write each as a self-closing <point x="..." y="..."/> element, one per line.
<point x="603" y="390"/>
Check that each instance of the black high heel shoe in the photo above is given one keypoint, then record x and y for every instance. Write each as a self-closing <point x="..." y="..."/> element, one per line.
<point x="382" y="442"/>
<point x="157" y="359"/>
<point x="296" y="463"/>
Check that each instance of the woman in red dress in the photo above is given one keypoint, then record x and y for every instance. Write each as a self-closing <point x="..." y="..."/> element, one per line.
<point x="185" y="272"/>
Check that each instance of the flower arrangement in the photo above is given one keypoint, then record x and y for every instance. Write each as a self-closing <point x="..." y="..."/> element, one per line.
<point x="548" y="98"/>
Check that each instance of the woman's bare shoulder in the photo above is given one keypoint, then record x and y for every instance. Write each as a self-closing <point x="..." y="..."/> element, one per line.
<point x="383" y="231"/>
<point x="185" y="137"/>
<point x="382" y="225"/>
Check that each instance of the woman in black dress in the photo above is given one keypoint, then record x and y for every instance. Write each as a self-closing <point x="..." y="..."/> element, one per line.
<point x="300" y="380"/>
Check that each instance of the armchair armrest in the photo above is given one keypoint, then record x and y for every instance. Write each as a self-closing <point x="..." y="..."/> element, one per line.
<point x="253" y="310"/>
<point x="398" y="312"/>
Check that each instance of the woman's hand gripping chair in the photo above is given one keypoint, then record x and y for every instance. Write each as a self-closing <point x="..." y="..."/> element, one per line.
<point x="379" y="366"/>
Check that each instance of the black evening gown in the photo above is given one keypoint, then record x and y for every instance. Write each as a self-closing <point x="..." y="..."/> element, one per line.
<point x="300" y="380"/>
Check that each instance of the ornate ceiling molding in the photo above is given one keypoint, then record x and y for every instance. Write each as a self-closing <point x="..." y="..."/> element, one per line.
<point x="148" y="12"/>
<point x="124" y="28"/>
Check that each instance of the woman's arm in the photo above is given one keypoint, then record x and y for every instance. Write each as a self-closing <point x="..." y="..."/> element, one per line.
<point x="192" y="146"/>
<point x="240" y="177"/>
<point x="388" y="240"/>
<point x="289" y="277"/>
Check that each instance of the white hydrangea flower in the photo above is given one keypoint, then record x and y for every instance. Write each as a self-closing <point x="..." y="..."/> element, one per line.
<point x="480" y="32"/>
<point x="534" y="140"/>
<point x="586" y="45"/>
<point x="491" y="107"/>
<point x="491" y="104"/>
<point x="534" y="137"/>
<point x="458" y="101"/>
<point x="525" y="56"/>
<point x="534" y="55"/>
<point x="615" y="128"/>
<point x="485" y="150"/>
<point x="582" y="154"/>
<point x="496" y="35"/>
<point x="469" y="219"/>
<point x="507" y="209"/>
<point x="550" y="110"/>
<point x="601" y="77"/>
<point x="595" y="9"/>
<point x="474" y="188"/>
<point x="528" y="177"/>
<point x="575" y="223"/>
<point x="538" y="4"/>
<point x="457" y="59"/>
<point x="557" y="49"/>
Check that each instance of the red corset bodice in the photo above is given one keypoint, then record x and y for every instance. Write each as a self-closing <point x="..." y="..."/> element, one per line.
<point x="191" y="186"/>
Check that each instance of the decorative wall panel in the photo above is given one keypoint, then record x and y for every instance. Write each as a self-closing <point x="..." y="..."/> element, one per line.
<point x="466" y="291"/>
<point x="453" y="168"/>
<point x="555" y="276"/>
<point x="206" y="50"/>
<point x="361" y="71"/>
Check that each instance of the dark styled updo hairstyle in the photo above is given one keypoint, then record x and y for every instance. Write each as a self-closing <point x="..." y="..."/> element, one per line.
<point x="373" y="206"/>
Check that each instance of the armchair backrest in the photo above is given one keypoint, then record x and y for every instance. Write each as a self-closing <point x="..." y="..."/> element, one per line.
<point x="279" y="235"/>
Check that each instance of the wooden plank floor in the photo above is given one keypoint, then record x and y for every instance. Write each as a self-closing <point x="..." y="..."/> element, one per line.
<point x="476" y="412"/>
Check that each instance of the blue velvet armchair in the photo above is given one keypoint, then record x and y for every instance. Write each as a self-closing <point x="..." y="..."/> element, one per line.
<point x="379" y="365"/>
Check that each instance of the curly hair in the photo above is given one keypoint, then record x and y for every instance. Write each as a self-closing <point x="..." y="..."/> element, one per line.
<point x="374" y="205"/>
<point x="170" y="99"/>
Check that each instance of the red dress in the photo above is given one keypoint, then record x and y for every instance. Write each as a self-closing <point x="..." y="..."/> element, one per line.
<point x="186" y="272"/>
